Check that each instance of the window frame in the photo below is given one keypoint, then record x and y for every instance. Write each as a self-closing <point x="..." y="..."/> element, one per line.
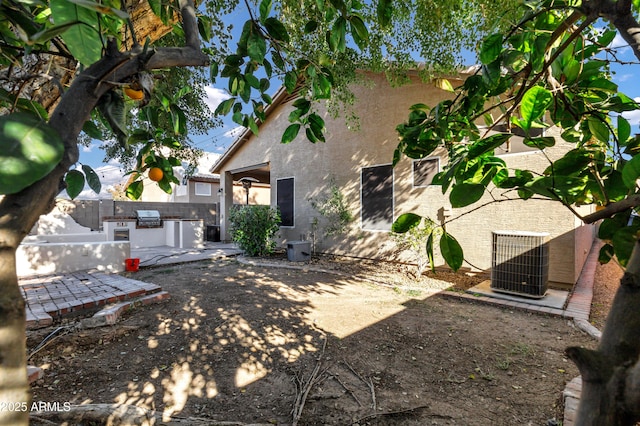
<point x="438" y="161"/>
<point x="199" y="193"/>
<point x="391" y="204"/>
<point x="293" y="201"/>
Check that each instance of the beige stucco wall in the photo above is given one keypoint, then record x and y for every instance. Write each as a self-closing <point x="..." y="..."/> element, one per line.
<point x="346" y="151"/>
<point x="259" y="194"/>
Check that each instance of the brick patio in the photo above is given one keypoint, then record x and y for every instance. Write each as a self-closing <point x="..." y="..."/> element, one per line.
<point x="50" y="297"/>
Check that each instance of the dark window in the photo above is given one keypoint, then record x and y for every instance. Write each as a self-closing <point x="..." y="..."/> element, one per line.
<point x="516" y="142"/>
<point x="424" y="170"/>
<point x="377" y="198"/>
<point x="284" y="200"/>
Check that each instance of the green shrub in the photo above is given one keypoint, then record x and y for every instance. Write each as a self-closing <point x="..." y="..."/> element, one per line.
<point x="253" y="228"/>
<point x="415" y="241"/>
<point x="335" y="210"/>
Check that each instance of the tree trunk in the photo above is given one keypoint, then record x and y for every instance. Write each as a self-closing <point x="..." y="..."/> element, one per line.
<point x="20" y="211"/>
<point x="14" y="388"/>
<point x="611" y="373"/>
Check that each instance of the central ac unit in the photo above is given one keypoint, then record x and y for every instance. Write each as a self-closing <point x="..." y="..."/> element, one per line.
<point x="520" y="263"/>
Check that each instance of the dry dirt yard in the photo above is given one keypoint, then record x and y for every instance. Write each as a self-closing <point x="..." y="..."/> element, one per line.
<point x="370" y="346"/>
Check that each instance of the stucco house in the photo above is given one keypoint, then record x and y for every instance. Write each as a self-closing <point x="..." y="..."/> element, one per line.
<point x="203" y="187"/>
<point x="358" y="162"/>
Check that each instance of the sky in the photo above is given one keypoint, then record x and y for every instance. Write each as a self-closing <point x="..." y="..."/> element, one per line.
<point x="218" y="139"/>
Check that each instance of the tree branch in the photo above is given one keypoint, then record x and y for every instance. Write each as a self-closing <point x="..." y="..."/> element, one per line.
<point x="613" y="208"/>
<point x="17" y="212"/>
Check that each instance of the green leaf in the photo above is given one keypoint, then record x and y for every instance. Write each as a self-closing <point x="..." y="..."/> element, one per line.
<point x="253" y="126"/>
<point x="491" y="48"/>
<point x="28" y="105"/>
<point x="204" y="27"/>
<point x="311" y="135"/>
<point x="92" y="178"/>
<point x="155" y="6"/>
<point x="598" y="129"/>
<point x="100" y="8"/>
<point x="451" y="251"/>
<point x="443" y="84"/>
<point x="276" y="29"/>
<point x="557" y="186"/>
<point x="316" y="126"/>
<point x="405" y="222"/>
<point x="290" y="81"/>
<point x="310" y="27"/>
<point x="337" y="36"/>
<point x="487" y="144"/>
<point x="571" y="135"/>
<point x="256" y="47"/>
<point x="83" y="39"/>
<point x="90" y="128"/>
<point x="541" y="142"/>
<point x="134" y="190"/>
<point x="610" y="225"/>
<point x="29" y="150"/>
<point x="359" y="31"/>
<point x="606" y="254"/>
<point x="631" y="172"/>
<point x="607" y="37"/>
<point x="265" y="10"/>
<point x="225" y="106"/>
<point x="74" y="180"/>
<point x="290" y="133"/>
<point x="165" y="184"/>
<point x="139" y="135"/>
<point x="464" y="194"/>
<point x="624" y="130"/>
<point x="321" y="87"/>
<point x="534" y="104"/>
<point x="604" y="85"/>
<point x="46" y="35"/>
<point x="623" y="242"/>
<point x="384" y="11"/>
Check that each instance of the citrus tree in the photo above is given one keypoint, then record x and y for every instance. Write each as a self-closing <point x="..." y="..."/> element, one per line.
<point x="553" y="69"/>
<point x="126" y="73"/>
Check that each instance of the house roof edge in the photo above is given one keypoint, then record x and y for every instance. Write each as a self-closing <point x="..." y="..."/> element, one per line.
<point x="280" y="96"/>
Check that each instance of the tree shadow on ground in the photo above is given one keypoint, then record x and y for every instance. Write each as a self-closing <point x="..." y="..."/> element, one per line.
<point x="242" y="343"/>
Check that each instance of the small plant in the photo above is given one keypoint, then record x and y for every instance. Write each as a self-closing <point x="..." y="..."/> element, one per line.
<point x="521" y="349"/>
<point x="415" y="240"/>
<point x="334" y="209"/>
<point x="253" y="228"/>
<point x="504" y="364"/>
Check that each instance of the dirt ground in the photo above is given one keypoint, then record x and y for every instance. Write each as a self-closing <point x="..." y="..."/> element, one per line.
<point x="370" y="346"/>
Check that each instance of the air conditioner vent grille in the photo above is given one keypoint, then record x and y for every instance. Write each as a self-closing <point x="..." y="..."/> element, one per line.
<point x="520" y="263"/>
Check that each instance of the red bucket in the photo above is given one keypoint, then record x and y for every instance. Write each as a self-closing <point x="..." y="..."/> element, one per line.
<point x="132" y="265"/>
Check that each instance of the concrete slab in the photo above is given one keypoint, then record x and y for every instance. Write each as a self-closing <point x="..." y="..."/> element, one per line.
<point x="553" y="299"/>
<point x="166" y="255"/>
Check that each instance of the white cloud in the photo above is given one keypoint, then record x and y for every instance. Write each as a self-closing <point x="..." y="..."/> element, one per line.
<point x="215" y="97"/>
<point x="110" y="175"/>
<point x="624" y="77"/>
<point x="235" y="132"/>
<point x="633" y="117"/>
<point x="90" y="147"/>
<point x="619" y="44"/>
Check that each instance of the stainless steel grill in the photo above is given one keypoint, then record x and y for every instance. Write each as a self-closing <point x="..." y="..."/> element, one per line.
<point x="148" y="218"/>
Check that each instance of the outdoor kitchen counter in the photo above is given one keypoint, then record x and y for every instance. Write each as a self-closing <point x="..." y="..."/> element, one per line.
<point x="183" y="233"/>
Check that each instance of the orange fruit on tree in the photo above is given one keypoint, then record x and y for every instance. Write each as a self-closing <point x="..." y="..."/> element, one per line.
<point x="136" y="95"/>
<point x="156" y="174"/>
